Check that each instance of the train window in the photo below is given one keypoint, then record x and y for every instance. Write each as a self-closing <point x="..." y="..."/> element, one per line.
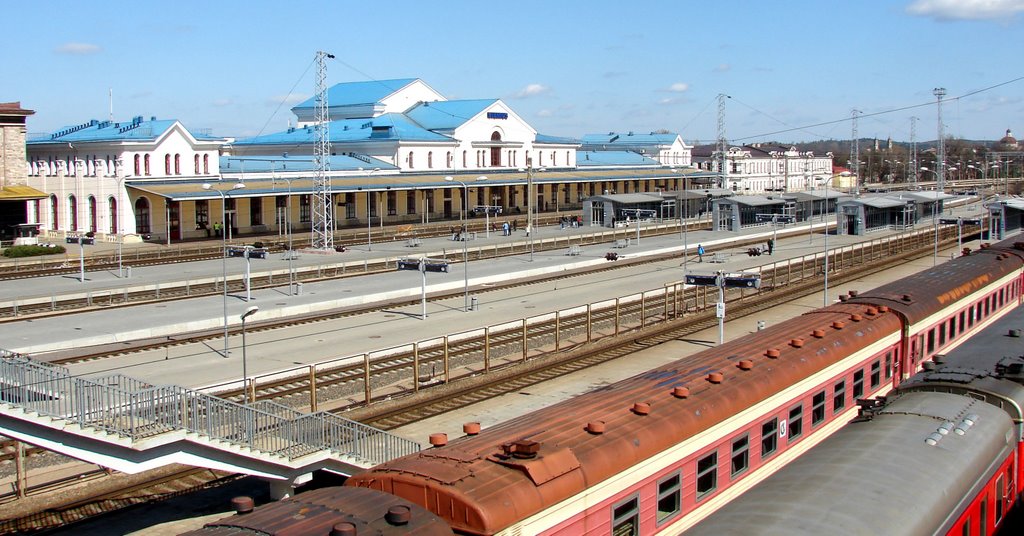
<point x="961" y="321"/>
<point x="888" y="365"/>
<point x="965" y="530"/>
<point x="707" y="475"/>
<point x="839" y="397"/>
<point x="669" y="491"/>
<point x="876" y="374"/>
<point x="626" y="517"/>
<point x="796" y="422"/>
<point x="970" y="316"/>
<point x="942" y="334"/>
<point x="931" y="341"/>
<point x="818" y="408"/>
<point x="858" y="384"/>
<point x="983" y="525"/>
<point x="769" y="439"/>
<point x="740" y="455"/>
<point x="999" y="499"/>
<point x="952" y="328"/>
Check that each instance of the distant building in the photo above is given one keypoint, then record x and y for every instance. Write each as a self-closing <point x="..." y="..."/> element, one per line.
<point x="763" y="168"/>
<point x="14" y="191"/>
<point x="666" y="148"/>
<point x="1008" y="142"/>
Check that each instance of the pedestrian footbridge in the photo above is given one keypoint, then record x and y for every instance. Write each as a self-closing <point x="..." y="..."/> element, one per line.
<point x="131" y="426"/>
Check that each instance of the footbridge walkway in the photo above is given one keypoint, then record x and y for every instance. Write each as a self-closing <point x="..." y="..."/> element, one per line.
<point x="132" y="426"/>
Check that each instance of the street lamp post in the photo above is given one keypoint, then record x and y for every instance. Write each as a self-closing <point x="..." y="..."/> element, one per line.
<point x="935" y="221"/>
<point x="825" y="218"/>
<point x="223" y="254"/>
<point x="465" y="251"/>
<point x="119" y="174"/>
<point x="288" y="229"/>
<point x="529" y="200"/>
<point x="245" y="373"/>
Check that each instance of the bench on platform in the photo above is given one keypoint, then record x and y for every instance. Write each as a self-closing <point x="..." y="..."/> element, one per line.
<point x="412" y="243"/>
<point x="719" y="257"/>
<point x="622" y="243"/>
<point x="574" y="251"/>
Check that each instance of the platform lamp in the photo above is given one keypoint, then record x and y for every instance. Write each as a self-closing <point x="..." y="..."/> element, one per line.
<point x="530" y="170"/>
<point x="245" y="373"/>
<point x="825" y="215"/>
<point x="223" y="253"/>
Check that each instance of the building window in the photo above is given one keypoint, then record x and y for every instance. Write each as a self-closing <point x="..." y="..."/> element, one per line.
<point x="196" y="166"/>
<point x="167" y="164"/>
<point x="54" y="222"/>
<point x="796" y="422"/>
<point x="138" y="160"/>
<point x="304" y="208"/>
<point x="392" y="203"/>
<point x="769" y="439"/>
<point x="73" y="213"/>
<point x="858" y="384"/>
<point x="202" y="214"/>
<point x="740" y="455"/>
<point x="669" y="494"/>
<point x="464" y="158"/>
<point x="626" y="517"/>
<point x="142" y="215"/>
<point x="707" y="475"/>
<point x="818" y="408"/>
<point x="839" y="397"/>
<point x="177" y="164"/>
<point x="255" y="211"/>
<point x="448" y="160"/>
<point x="206" y="163"/>
<point x="410" y="160"/>
<point x="430" y="159"/>
<point x="410" y="202"/>
<point x="145" y="161"/>
<point x="350" y="206"/>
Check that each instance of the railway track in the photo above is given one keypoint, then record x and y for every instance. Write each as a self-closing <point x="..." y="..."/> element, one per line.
<point x="508" y="377"/>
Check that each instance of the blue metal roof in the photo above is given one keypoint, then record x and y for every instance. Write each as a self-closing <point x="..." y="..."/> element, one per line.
<point x="280" y="164"/>
<point x="544" y="138"/>
<point x="137" y="129"/>
<point x="447" y="115"/>
<point x="613" y="158"/>
<point x="385" y="127"/>
<point x="615" y="138"/>
<point x="359" y="93"/>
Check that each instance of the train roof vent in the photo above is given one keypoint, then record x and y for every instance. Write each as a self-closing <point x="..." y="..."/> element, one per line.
<point x="398" y="515"/>
<point x="343" y="529"/>
<point x="933" y="439"/>
<point x="471" y="428"/>
<point x="818" y="333"/>
<point x="796" y="343"/>
<point x="680" y="392"/>
<point x="242" y="505"/>
<point x="854" y="293"/>
<point x="870" y="311"/>
<point x="596" y="427"/>
<point x="843" y="297"/>
<point x="744" y="364"/>
<point x="945" y="427"/>
<point x="883" y="309"/>
<point x="772" y="353"/>
<point x="642" y="408"/>
<point x="856" y="317"/>
<point x="523" y="449"/>
<point x="715" y="377"/>
<point x="838" y="324"/>
<point x="438" y="440"/>
<point x="906" y="298"/>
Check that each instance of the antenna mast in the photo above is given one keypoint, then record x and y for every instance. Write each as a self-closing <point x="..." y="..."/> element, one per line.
<point x="855" y="154"/>
<point x="323" y="216"/>
<point x="722" y="146"/>
<point x="940" y="92"/>
<point x="913" y="151"/>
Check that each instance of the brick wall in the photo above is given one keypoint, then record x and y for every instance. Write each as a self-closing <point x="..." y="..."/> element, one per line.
<point x="13" y="167"/>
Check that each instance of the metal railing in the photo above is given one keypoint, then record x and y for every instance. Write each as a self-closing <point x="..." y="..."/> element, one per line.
<point x="130" y="408"/>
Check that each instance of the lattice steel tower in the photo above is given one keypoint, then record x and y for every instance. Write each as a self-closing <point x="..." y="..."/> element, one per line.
<point x="722" y="147"/>
<point x="323" y="215"/>
<point x="855" y="153"/>
<point x="940" y="173"/>
<point x="913" y="151"/>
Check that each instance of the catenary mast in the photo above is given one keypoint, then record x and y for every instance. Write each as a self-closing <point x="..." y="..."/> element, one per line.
<point x="323" y="215"/>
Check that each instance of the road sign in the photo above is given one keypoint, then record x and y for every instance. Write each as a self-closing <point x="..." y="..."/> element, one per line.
<point x="720" y="310"/>
<point x="743" y="281"/>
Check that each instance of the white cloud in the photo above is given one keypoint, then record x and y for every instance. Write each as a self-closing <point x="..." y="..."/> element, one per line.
<point x="667" y="100"/>
<point x="286" y="100"/>
<point x="78" y="49"/>
<point x="722" y="67"/>
<point x="679" y="87"/>
<point x="532" y="90"/>
<point x="966" y="9"/>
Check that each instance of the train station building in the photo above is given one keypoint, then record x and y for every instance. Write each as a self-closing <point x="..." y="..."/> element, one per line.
<point x="400" y="153"/>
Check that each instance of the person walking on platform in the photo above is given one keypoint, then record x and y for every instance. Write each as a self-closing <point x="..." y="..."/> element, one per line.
<point x="216" y="229"/>
<point x="700" y="252"/>
<point x="505" y="230"/>
<point x="771" y="246"/>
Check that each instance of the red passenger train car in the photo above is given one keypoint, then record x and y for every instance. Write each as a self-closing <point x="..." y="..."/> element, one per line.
<point x="658" y="452"/>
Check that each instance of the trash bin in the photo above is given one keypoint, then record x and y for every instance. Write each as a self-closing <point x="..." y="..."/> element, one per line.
<point x="760" y="325"/>
<point x="298" y="289"/>
<point x="473" y="304"/>
<point x="128" y="272"/>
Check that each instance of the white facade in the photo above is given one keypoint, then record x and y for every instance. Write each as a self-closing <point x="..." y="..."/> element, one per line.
<point x="85" y="179"/>
<point x="757" y="170"/>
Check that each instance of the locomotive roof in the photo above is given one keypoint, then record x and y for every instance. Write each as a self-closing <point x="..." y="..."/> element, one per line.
<point x="921" y="295"/>
<point x="876" y="476"/>
<point x="519" y="467"/>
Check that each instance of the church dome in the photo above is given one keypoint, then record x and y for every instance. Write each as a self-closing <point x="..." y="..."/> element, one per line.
<point x="1008" y="139"/>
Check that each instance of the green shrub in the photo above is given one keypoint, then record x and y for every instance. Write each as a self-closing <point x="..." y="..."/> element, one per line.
<point x="32" y="251"/>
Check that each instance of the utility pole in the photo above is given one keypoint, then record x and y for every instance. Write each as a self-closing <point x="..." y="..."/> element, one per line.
<point x="323" y="214"/>
<point x="722" y="147"/>
<point x="913" y="151"/>
<point x="855" y="153"/>
<point x="940" y="92"/>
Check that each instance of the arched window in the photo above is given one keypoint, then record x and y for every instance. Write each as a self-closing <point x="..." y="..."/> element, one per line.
<point x="167" y="164"/>
<point x="448" y="160"/>
<point x="138" y="165"/>
<point x="54" y="222"/>
<point x="146" y="164"/>
<point x="554" y="158"/>
<point x="91" y="205"/>
<point x="464" y="158"/>
<point x="410" y="160"/>
<point x="112" y="216"/>
<point x="430" y="159"/>
<point x="206" y="163"/>
<point x="177" y="164"/>
<point x="495" y="151"/>
<point x="196" y="164"/>
<point x="142" y="215"/>
<point x="72" y="213"/>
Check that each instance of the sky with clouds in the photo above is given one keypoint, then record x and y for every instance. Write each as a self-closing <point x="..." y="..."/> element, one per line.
<point x="793" y="71"/>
